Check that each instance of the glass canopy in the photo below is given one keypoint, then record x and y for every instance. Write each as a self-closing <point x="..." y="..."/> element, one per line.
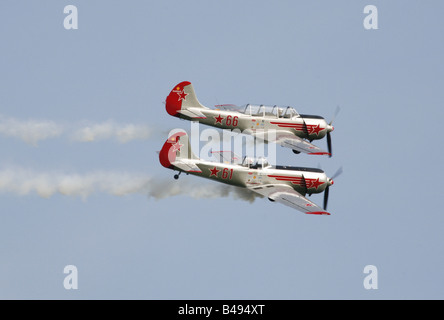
<point x="261" y="110"/>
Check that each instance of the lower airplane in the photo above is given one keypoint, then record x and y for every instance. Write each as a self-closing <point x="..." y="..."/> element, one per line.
<point x="284" y="184"/>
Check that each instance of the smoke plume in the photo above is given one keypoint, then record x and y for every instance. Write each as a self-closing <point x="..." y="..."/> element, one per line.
<point x="111" y="130"/>
<point x="32" y="131"/>
<point x="23" y="182"/>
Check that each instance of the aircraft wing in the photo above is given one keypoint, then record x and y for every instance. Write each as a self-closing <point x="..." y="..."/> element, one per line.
<point x="187" y="166"/>
<point x="192" y="113"/>
<point x="286" y="195"/>
<point x="289" y="140"/>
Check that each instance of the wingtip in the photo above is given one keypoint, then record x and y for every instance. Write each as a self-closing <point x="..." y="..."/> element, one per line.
<point x="324" y="213"/>
<point x="321" y="153"/>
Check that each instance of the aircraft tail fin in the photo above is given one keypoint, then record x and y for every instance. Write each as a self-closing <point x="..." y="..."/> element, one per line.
<point x="177" y="148"/>
<point x="181" y="98"/>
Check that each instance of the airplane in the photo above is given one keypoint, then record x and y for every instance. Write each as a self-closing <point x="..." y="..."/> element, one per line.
<point x="284" y="184"/>
<point x="284" y="126"/>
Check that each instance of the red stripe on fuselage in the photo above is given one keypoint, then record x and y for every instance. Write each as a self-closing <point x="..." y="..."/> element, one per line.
<point x="294" y="180"/>
<point x="297" y="126"/>
<point x="310" y="183"/>
<point x="283" y="177"/>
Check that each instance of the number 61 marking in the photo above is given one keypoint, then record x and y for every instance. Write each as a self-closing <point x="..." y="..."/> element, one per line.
<point x="227" y="173"/>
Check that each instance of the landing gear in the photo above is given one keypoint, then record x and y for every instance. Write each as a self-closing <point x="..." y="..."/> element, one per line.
<point x="295" y="151"/>
<point x="176" y="176"/>
<point x="272" y="200"/>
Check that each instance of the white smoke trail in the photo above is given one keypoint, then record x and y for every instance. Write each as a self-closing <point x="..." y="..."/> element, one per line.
<point x="32" y="131"/>
<point x="110" y="130"/>
<point x="22" y="181"/>
<point x="169" y="188"/>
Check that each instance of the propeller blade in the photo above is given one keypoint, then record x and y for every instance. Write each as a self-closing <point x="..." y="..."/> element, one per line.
<point x="338" y="108"/>
<point x="327" y="189"/>
<point x="337" y="173"/>
<point x="329" y="144"/>
<point x="326" y="197"/>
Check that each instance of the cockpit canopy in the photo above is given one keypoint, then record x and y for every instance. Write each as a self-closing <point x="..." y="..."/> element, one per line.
<point x="262" y="110"/>
<point x="255" y="163"/>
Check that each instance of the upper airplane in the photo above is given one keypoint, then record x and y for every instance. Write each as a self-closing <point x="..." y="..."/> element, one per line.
<point x="281" y="125"/>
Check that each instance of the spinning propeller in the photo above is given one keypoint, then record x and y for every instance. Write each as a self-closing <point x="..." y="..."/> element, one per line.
<point x="331" y="129"/>
<point x="330" y="182"/>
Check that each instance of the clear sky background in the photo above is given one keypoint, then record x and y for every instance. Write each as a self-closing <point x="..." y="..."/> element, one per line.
<point x="118" y="67"/>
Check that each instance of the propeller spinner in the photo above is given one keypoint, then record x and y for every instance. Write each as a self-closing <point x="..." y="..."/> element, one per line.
<point x="330" y="182"/>
<point x="330" y="128"/>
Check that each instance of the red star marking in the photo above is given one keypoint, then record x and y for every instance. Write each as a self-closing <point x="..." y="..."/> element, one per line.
<point x="315" y="129"/>
<point x="311" y="183"/>
<point x="177" y="146"/>
<point x="181" y="94"/>
<point x="218" y="119"/>
<point x="214" y="172"/>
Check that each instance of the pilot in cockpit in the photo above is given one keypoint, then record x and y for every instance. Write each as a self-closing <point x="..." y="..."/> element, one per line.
<point x="258" y="163"/>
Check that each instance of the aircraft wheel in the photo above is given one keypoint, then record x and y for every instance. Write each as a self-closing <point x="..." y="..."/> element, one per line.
<point x="271" y="199"/>
<point x="296" y="152"/>
<point x="176" y="176"/>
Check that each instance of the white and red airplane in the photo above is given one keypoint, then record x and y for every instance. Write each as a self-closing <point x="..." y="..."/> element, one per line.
<point x="289" y="128"/>
<point x="284" y="184"/>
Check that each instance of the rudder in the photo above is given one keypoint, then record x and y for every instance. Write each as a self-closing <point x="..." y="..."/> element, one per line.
<point x="182" y="97"/>
<point x="177" y="146"/>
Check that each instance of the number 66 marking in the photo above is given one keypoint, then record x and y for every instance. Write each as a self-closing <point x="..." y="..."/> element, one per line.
<point x="232" y="121"/>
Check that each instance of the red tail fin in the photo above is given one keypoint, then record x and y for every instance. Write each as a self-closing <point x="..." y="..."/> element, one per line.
<point x="181" y="97"/>
<point x="176" y="146"/>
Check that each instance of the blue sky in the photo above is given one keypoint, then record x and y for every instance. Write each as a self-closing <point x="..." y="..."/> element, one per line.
<point x="119" y="66"/>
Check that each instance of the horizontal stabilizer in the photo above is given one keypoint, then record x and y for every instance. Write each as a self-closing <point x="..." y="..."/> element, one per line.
<point x="186" y="166"/>
<point x="192" y="113"/>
